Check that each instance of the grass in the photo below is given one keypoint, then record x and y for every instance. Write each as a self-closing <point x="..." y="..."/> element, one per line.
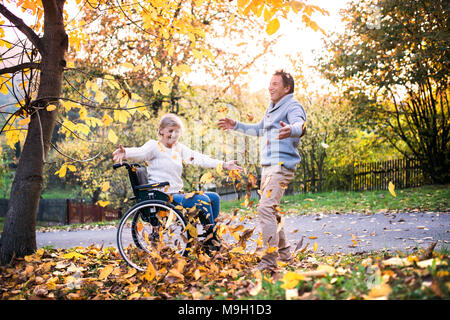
<point x="426" y="198"/>
<point x="59" y="194"/>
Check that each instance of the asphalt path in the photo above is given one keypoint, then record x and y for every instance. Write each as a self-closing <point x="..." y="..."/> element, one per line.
<point x="333" y="232"/>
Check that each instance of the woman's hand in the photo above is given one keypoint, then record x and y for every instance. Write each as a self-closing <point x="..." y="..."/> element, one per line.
<point x="119" y="154"/>
<point x="231" y="165"/>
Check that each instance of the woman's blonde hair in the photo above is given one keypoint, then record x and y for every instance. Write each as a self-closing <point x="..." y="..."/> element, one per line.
<point x="170" y="120"/>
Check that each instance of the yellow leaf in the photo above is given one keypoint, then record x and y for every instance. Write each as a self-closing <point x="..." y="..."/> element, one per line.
<point x="269" y="193"/>
<point x="62" y="171"/>
<point x="272" y="26"/>
<point x="315" y="246"/>
<point x="192" y="230"/>
<point x="105" y="186"/>
<point x="103" y="203"/>
<point x="380" y="290"/>
<point x="105" y="272"/>
<point x="112" y="137"/>
<point x="329" y="269"/>
<point x="237" y="250"/>
<point x="51" y="107"/>
<point x="107" y="120"/>
<point x="391" y="188"/>
<point x="313" y="237"/>
<point x="24" y="122"/>
<point x="127" y="65"/>
<point x="170" y="219"/>
<point x="291" y="279"/>
<point x="207" y="178"/>
<point x="73" y="255"/>
<point x="99" y="97"/>
<point x="164" y="89"/>
<point x="72" y="168"/>
<point x="150" y="273"/>
<point x="271" y="249"/>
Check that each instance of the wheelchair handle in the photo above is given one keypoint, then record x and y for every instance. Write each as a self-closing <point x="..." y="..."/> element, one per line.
<point x="118" y="165"/>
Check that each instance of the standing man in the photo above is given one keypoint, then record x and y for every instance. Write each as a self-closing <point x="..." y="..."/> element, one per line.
<point x="281" y="128"/>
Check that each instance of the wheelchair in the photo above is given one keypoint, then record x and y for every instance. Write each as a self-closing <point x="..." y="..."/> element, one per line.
<point x="154" y="225"/>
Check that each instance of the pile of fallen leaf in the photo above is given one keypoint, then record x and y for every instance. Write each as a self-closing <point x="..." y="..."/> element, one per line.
<point x="100" y="273"/>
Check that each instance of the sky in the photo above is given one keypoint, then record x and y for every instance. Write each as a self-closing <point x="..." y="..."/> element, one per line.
<point x="298" y="39"/>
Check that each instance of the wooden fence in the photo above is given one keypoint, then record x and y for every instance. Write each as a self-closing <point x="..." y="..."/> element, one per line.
<point x="403" y="173"/>
<point x="66" y="211"/>
<point x="78" y="212"/>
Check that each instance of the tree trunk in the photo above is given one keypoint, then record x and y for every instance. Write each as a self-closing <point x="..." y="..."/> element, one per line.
<point x="19" y="234"/>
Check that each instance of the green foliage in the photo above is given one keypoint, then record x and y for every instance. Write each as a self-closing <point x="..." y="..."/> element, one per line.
<point x="392" y="63"/>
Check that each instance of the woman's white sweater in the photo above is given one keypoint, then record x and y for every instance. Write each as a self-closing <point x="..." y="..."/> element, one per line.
<point x="166" y="164"/>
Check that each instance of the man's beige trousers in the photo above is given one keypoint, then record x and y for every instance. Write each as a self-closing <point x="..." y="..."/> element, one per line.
<point x="274" y="181"/>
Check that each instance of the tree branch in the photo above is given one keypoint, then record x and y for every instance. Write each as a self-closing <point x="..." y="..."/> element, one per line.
<point x="26" y="30"/>
<point x="19" y="67"/>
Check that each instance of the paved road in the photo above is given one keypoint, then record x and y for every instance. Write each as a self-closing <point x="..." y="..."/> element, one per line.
<point x="333" y="232"/>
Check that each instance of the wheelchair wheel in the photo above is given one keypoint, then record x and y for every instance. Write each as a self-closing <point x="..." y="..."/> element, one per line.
<point x="151" y="226"/>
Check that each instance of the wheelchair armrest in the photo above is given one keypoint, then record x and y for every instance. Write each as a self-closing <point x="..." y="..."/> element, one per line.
<point x="152" y="186"/>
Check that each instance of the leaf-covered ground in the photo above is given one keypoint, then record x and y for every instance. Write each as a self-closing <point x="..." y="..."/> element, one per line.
<point x="100" y="273"/>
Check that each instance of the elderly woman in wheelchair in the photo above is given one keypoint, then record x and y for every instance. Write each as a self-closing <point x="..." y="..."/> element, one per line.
<point x="163" y="213"/>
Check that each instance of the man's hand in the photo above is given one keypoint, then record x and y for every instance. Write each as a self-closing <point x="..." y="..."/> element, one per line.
<point x="285" y="131"/>
<point x="119" y="154"/>
<point x="226" y="123"/>
<point x="231" y="165"/>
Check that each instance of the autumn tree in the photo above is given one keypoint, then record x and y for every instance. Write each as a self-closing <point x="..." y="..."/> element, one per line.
<point x="393" y="62"/>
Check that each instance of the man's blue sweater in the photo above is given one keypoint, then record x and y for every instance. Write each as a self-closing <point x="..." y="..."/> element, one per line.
<point x="273" y="151"/>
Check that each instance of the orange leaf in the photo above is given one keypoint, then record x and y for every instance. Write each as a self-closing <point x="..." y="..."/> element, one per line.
<point x="106" y="271"/>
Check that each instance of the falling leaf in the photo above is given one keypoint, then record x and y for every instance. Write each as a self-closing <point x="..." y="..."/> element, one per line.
<point x="208" y="177"/>
<point x="150" y="273"/>
<point x="271" y="249"/>
<point x="315" y="246"/>
<point x="391" y="188"/>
